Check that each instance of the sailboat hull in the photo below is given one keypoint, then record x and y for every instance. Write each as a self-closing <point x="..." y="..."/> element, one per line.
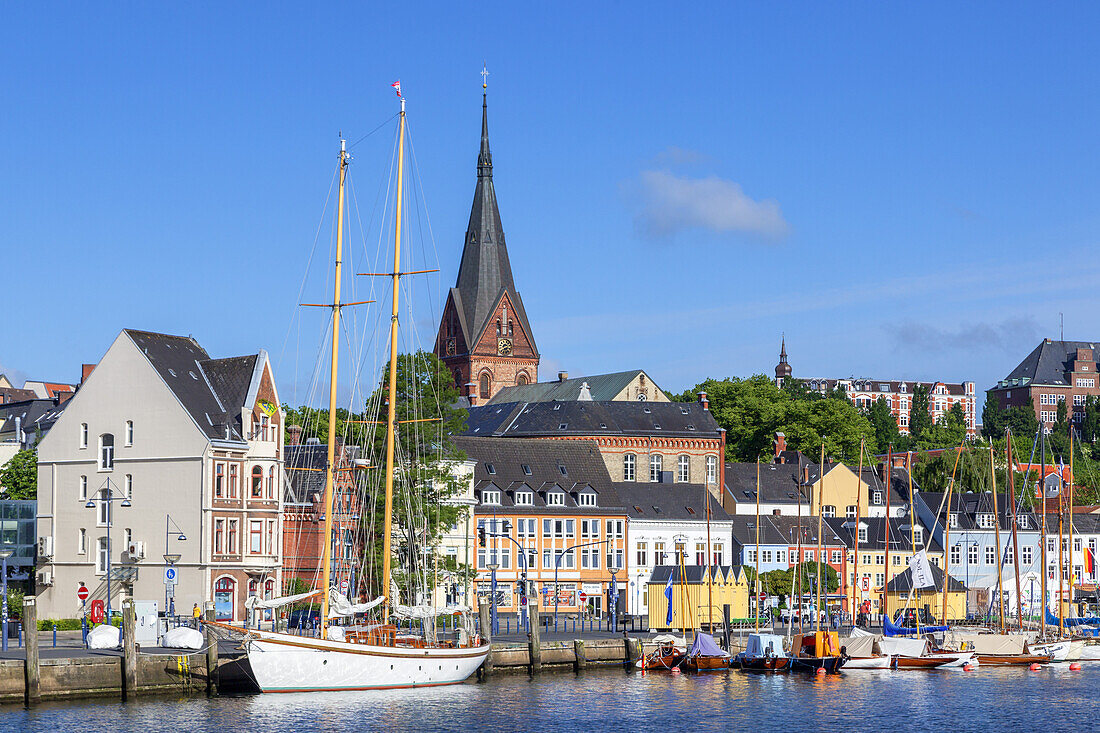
<point x="287" y="663"/>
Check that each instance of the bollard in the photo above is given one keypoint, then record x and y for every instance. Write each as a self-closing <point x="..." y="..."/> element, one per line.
<point x="486" y="637"/>
<point x="211" y="653"/>
<point x="129" y="650"/>
<point x="31" y="671"/>
<point x="19" y="632"/>
<point x="534" y="650"/>
<point x="579" y="659"/>
<point x="633" y="648"/>
<point x="84" y="631"/>
<point x="55" y="635"/>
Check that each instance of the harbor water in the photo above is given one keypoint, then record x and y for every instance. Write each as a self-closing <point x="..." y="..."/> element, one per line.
<point x="1054" y="698"/>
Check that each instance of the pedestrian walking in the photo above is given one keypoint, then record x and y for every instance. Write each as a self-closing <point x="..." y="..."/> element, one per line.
<point x="196" y="612"/>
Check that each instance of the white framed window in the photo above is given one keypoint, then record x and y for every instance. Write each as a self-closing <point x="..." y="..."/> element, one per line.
<point x="84" y="488"/>
<point x="1078" y="400"/>
<point x="82" y="542"/>
<point x="103" y="508"/>
<point x="106" y="452"/>
<point x="1086" y="382"/>
<point x="232" y="544"/>
<point x="991" y="556"/>
<point x="490" y="496"/>
<point x="1010" y="558"/>
<point x="953" y="520"/>
<point x="129" y="433"/>
<point x="101" y="556"/>
<point x="956" y="555"/>
<point x="835" y="557"/>
<point x="712" y="469"/>
<point x="986" y="521"/>
<point x="629" y="464"/>
<point x="555" y="498"/>
<point x="876" y="497"/>
<point x="129" y="486"/>
<point x="656" y="461"/>
<point x="972" y="554"/>
<point x="862" y="534"/>
<point x="828" y="511"/>
<point x="83" y="435"/>
<point x="127" y="536"/>
<point x="1026" y="554"/>
<point x="850" y="511"/>
<point x="918" y="535"/>
<point x="524" y="498"/>
<point x="255" y="537"/>
<point x="586" y="499"/>
<point x="683" y="469"/>
<point x="614" y="528"/>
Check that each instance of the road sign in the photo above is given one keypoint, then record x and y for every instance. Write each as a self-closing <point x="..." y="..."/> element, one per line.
<point x="344" y="586"/>
<point x="170" y="589"/>
<point x="582" y="597"/>
<point x="169" y="575"/>
<point x="82" y="592"/>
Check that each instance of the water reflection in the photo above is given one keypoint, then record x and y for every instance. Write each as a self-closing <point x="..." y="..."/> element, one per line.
<point x="596" y="700"/>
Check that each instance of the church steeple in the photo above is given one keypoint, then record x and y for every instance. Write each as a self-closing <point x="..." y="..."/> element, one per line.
<point x="782" y="369"/>
<point x="484" y="316"/>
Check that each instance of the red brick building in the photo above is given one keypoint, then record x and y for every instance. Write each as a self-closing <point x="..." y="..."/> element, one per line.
<point x="1053" y="372"/>
<point x="484" y="336"/>
<point x="304" y="516"/>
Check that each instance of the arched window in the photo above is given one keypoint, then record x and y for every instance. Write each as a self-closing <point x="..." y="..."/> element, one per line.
<point x="257" y="482"/>
<point x="486" y="381"/>
<point x="521" y="379"/>
<point x="683" y="469"/>
<point x="106" y="452"/>
<point x="629" y="463"/>
<point x="656" y="461"/>
<point x="224" y="601"/>
<point x="269" y="593"/>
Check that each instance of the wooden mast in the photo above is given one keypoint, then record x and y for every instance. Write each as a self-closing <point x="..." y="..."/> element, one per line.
<point x="820" y="520"/>
<point x="1070" y="503"/>
<point x="947" y="531"/>
<point x="1043" y="544"/>
<point x="756" y="584"/>
<point x="997" y="539"/>
<point x="391" y="407"/>
<point x="859" y="492"/>
<point x="326" y="560"/>
<point x="709" y="569"/>
<point x="798" y="544"/>
<point x="1015" y="523"/>
<point x="888" y="476"/>
<point x="913" y="536"/>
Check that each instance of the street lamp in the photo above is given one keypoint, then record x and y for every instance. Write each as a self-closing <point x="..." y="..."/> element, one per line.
<point x="614" y="600"/>
<point x="171" y="558"/>
<point x="4" y="555"/>
<point x="494" y="628"/>
<point x="108" y="498"/>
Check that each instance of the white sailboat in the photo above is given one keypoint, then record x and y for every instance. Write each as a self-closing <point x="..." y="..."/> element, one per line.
<point x="376" y="656"/>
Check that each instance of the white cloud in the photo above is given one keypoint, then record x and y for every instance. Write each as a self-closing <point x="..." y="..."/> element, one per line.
<point x="1012" y="335"/>
<point x="669" y="204"/>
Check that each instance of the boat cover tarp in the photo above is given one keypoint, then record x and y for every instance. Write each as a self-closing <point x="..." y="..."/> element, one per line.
<point x="764" y="645"/>
<point x="705" y="646"/>
<point x="1071" y="622"/>
<point x="104" y="637"/>
<point x="903" y="646"/>
<point x="861" y="646"/>
<point x="889" y="628"/>
<point x="985" y="643"/>
<point x="669" y="639"/>
<point x="183" y="637"/>
<point x="427" y="611"/>
<point x="856" y="631"/>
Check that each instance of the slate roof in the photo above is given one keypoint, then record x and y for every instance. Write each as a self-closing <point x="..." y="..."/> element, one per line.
<point x="780" y="483"/>
<point x="902" y="582"/>
<point x="209" y="389"/>
<point x="485" y="273"/>
<point x="601" y="387"/>
<point x="510" y="465"/>
<point x="806" y="527"/>
<point x="36" y="415"/>
<point x="883" y="386"/>
<point x="658" y="501"/>
<point x="876" y="534"/>
<point x="300" y="486"/>
<point x="968" y="505"/>
<point x="693" y="574"/>
<point x="541" y="419"/>
<point x="744" y="530"/>
<point x="14" y="394"/>
<point x="1048" y="363"/>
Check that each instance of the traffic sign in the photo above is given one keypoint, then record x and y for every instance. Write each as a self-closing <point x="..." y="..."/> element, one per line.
<point x="344" y="586"/>
<point x="169" y="575"/>
<point x="82" y="592"/>
<point x="582" y="597"/>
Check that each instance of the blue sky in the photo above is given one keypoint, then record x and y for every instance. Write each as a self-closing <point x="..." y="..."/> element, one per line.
<point x="905" y="191"/>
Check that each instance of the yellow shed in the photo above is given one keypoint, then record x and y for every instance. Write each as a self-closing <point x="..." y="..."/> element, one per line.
<point x="900" y="595"/>
<point x="694" y="599"/>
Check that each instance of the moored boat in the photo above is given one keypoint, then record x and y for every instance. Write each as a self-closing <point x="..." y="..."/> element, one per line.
<point x="705" y="655"/>
<point x="818" y="650"/>
<point x="669" y="654"/>
<point x="763" y="653"/>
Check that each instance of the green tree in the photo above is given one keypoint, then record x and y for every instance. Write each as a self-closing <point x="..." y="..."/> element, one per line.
<point x="1058" y="440"/>
<point x="1090" y="425"/>
<point x="19" y="476"/>
<point x="884" y="424"/>
<point x="427" y="417"/>
<point x="920" y="418"/>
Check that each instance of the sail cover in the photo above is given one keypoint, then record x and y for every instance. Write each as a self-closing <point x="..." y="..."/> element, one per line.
<point x="1074" y="621"/>
<point x="339" y="605"/>
<point x="705" y="646"/>
<point x="257" y="602"/>
<point x="427" y="611"/>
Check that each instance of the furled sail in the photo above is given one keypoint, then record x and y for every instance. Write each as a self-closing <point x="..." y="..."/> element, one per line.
<point x="257" y="602"/>
<point x="339" y="605"/>
<point x="428" y="611"/>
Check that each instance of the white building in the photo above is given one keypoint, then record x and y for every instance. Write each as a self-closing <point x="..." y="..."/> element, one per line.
<point x="163" y="441"/>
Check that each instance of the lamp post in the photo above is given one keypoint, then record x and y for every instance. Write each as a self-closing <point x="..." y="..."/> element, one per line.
<point x="106" y="496"/>
<point x="4" y="555"/>
<point x="170" y="559"/>
<point x="557" y="563"/>
<point x="614" y="600"/>
<point x="493" y="626"/>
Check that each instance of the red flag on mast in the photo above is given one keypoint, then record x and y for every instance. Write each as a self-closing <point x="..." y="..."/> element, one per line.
<point x="397" y="87"/>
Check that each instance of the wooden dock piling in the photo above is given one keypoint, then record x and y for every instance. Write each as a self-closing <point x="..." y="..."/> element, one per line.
<point x="579" y="659"/>
<point x="211" y="654"/>
<point x="534" y="649"/>
<point x="32" y="673"/>
<point x="486" y="637"/>
<point x="129" y="650"/>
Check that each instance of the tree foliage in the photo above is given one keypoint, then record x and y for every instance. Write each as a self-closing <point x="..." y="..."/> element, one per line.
<point x="884" y="424"/>
<point x="752" y="410"/>
<point x="920" y="418"/>
<point x="1020" y="418"/>
<point x="19" y="476"/>
<point x="779" y="582"/>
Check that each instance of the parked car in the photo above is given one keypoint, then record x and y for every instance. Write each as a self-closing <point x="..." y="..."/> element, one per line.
<point x="792" y="615"/>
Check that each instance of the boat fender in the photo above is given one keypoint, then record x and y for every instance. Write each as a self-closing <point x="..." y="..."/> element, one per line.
<point x="1035" y="667"/>
<point x="1075" y="667"/>
<point x="675" y="670"/>
<point x="820" y="671"/>
<point x="968" y="667"/>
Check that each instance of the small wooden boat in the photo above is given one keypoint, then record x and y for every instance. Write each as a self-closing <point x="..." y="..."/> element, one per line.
<point x="669" y="654"/>
<point x="763" y="653"/>
<point x="705" y="655"/>
<point x="935" y="660"/>
<point x="1013" y="660"/>
<point x="818" y="650"/>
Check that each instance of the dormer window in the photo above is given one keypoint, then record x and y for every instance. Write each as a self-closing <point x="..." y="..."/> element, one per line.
<point x="876" y="497"/>
<point x="862" y="534"/>
<point x="555" y="498"/>
<point x="524" y="498"/>
<point x="918" y="535"/>
<point x="953" y="520"/>
<point x="986" y="521"/>
<point x="586" y="499"/>
<point x="1022" y="521"/>
<point x="491" y="496"/>
<point x="563" y="470"/>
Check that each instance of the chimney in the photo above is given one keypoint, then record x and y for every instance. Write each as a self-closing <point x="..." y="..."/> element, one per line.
<point x="293" y="434"/>
<point x="780" y="446"/>
<point x="471" y="393"/>
<point x="85" y="372"/>
<point x="703" y="400"/>
<point x="805" y="475"/>
<point x="562" y="376"/>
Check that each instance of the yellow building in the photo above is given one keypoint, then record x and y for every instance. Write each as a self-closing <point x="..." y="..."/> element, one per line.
<point x="900" y="595"/>
<point x="696" y="601"/>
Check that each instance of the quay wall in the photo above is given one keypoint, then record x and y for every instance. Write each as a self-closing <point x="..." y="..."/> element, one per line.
<point x="102" y="676"/>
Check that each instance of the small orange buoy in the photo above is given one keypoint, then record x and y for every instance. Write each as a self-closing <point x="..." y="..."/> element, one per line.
<point x="1035" y="667"/>
<point x="968" y="667"/>
<point x="675" y="670"/>
<point x="820" y="671"/>
<point x="1075" y="667"/>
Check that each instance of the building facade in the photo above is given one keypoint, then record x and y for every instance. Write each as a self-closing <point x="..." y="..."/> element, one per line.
<point x="164" y="456"/>
<point x="1054" y="372"/>
<point x="484" y="336"/>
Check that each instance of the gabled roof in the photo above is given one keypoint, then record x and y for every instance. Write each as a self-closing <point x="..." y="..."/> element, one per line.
<point x="744" y="531"/>
<point x="505" y="462"/>
<point x="211" y="390"/>
<point x="35" y="415"/>
<point x="485" y="274"/>
<point x="655" y="502"/>
<point x="692" y="574"/>
<point x="1048" y="363"/>
<point x="967" y="505"/>
<point x="541" y="419"/>
<point x="780" y="483"/>
<point x="600" y="387"/>
<point x="301" y="485"/>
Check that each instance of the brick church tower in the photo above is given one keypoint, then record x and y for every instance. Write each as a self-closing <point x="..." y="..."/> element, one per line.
<point x="484" y="336"/>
